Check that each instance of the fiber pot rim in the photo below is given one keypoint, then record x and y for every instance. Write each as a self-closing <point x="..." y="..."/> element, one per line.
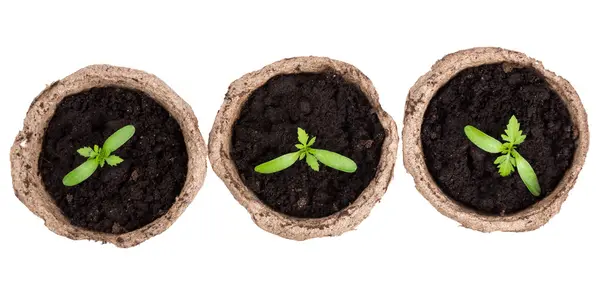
<point x="418" y="99"/>
<point x="27" y="182"/>
<point x="267" y="218"/>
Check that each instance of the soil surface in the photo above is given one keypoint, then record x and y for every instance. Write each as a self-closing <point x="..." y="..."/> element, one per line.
<point x="486" y="97"/>
<point x="132" y="194"/>
<point x="326" y="106"/>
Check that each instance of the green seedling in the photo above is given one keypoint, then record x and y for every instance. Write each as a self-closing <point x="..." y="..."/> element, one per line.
<point x="98" y="156"/>
<point x="510" y="158"/>
<point x="313" y="157"/>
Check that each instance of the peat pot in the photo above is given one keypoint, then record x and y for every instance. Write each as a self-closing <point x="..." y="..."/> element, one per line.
<point x="484" y="88"/>
<point x="164" y="163"/>
<point x="259" y="121"/>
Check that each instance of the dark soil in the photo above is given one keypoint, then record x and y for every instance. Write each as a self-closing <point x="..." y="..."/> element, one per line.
<point x="326" y="106"/>
<point x="486" y="97"/>
<point x="134" y="193"/>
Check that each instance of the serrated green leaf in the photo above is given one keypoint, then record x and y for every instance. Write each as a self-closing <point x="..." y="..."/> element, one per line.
<point x="505" y="167"/>
<point x="302" y="155"/>
<point x="482" y="140"/>
<point x="520" y="139"/>
<point x="335" y="160"/>
<point x="278" y="164"/>
<point x="118" y="138"/>
<point x="527" y="174"/>
<point x="506" y="147"/>
<point x="85" y="151"/>
<point x="312" y="141"/>
<point x="500" y="159"/>
<point x="513" y="131"/>
<point x="80" y="173"/>
<point x="299" y="146"/>
<point x="302" y="136"/>
<point x="505" y="138"/>
<point x="114" y="160"/>
<point x="312" y="162"/>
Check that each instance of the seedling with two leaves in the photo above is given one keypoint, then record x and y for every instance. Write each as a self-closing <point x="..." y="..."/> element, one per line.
<point x="510" y="158"/>
<point x="99" y="156"/>
<point x="313" y="157"/>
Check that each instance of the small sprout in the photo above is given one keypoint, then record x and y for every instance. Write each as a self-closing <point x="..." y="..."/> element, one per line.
<point x="98" y="156"/>
<point x="510" y="158"/>
<point x="313" y="157"/>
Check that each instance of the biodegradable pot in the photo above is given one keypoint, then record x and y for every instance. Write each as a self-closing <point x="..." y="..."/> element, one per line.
<point x="24" y="155"/>
<point x="418" y="99"/>
<point x="265" y="217"/>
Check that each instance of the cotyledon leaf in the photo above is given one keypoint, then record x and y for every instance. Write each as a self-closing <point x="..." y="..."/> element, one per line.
<point x="482" y="140"/>
<point x="80" y="173"/>
<point x="116" y="140"/>
<point x="527" y="174"/>
<point x="334" y="160"/>
<point x="278" y="164"/>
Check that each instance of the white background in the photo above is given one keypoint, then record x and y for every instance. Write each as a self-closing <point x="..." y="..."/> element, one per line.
<point x="200" y="48"/>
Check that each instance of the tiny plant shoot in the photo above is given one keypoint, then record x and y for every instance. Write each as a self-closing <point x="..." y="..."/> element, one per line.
<point x="510" y="158"/>
<point x="98" y="156"/>
<point x="313" y="157"/>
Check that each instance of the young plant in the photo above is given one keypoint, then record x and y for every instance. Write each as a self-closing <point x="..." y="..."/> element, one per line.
<point x="98" y="156"/>
<point x="313" y="157"/>
<point x="510" y="158"/>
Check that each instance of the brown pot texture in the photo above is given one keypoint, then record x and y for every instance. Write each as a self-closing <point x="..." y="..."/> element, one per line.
<point x="266" y="218"/>
<point x="419" y="97"/>
<point x="24" y="154"/>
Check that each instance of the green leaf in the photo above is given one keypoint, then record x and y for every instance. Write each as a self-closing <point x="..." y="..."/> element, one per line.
<point x="96" y="149"/>
<point x="85" y="151"/>
<point x="312" y="141"/>
<point x="312" y="162"/>
<point x="299" y="146"/>
<point x="302" y="136"/>
<point x="505" y="167"/>
<point x="482" y="140"/>
<point x="335" y="160"/>
<point x="278" y="164"/>
<point x="80" y="173"/>
<point x="113" y="160"/>
<point x="506" y="147"/>
<point x="116" y="140"/>
<point x="520" y="139"/>
<point x="527" y="174"/>
<point x="513" y="134"/>
<point x="302" y="155"/>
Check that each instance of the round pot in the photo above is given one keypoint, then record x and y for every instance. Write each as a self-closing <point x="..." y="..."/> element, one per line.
<point x="418" y="100"/>
<point x="265" y="217"/>
<point x="24" y="154"/>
